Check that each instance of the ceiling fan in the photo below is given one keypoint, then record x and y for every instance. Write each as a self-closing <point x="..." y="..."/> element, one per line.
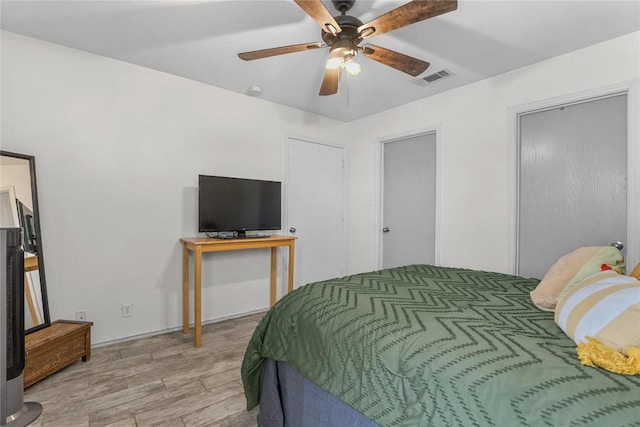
<point x="342" y="34"/>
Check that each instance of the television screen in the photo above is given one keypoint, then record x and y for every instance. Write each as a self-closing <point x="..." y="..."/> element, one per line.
<point x="237" y="205"/>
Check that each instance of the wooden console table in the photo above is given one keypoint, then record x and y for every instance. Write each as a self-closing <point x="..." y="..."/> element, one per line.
<point x="200" y="245"/>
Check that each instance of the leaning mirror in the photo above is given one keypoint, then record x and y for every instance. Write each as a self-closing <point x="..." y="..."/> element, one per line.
<point x="19" y="208"/>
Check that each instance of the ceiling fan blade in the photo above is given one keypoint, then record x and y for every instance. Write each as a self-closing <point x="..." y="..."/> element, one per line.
<point x="410" y="13"/>
<point x="320" y="14"/>
<point x="264" y="53"/>
<point x="330" y="82"/>
<point x="399" y="61"/>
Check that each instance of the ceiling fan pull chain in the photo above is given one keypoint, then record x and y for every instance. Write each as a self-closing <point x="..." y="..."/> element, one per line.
<point x="348" y="90"/>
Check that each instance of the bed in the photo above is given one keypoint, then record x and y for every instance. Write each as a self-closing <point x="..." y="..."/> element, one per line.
<point x="422" y="345"/>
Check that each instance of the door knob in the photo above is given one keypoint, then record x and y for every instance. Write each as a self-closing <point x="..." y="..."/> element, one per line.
<point x="385" y="230"/>
<point x="292" y="230"/>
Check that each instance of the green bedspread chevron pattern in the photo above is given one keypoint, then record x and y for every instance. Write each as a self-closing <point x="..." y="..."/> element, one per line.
<point x="432" y="346"/>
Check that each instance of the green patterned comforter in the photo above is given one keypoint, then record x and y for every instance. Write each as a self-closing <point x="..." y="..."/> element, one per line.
<point x="432" y="346"/>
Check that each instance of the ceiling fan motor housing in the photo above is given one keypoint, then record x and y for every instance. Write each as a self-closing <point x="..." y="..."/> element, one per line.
<point x="347" y="39"/>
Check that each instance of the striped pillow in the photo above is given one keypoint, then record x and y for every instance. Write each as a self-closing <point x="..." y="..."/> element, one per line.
<point x="605" y="306"/>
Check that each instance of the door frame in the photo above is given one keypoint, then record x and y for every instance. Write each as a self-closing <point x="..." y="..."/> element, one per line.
<point x="379" y="189"/>
<point x="632" y="90"/>
<point x="341" y="241"/>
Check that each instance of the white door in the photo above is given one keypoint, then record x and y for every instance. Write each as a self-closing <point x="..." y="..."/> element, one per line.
<point x="573" y="181"/>
<point x="409" y="201"/>
<point x="315" y="209"/>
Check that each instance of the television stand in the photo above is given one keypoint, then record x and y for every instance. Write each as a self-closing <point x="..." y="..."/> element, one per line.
<point x="201" y="245"/>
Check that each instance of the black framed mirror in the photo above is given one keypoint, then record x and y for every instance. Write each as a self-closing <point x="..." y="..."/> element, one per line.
<point x="19" y="208"/>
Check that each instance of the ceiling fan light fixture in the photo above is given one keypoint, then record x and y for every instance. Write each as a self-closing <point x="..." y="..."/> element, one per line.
<point x="341" y="47"/>
<point x="333" y="63"/>
<point x="352" y="68"/>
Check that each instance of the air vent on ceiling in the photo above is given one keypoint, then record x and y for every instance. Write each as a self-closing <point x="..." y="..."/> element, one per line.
<point x="433" y="77"/>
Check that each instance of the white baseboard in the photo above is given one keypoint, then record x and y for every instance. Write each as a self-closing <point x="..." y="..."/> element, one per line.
<point x="175" y="329"/>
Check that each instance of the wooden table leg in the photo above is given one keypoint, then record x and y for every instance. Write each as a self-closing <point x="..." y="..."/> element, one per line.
<point x="274" y="275"/>
<point x="291" y="262"/>
<point x="87" y="341"/>
<point x="185" y="289"/>
<point x="197" y="308"/>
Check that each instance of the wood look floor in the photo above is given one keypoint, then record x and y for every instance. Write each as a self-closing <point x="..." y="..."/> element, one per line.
<point x="157" y="381"/>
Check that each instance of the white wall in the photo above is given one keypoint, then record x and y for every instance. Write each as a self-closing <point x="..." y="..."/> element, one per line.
<point x="118" y="151"/>
<point x="474" y="138"/>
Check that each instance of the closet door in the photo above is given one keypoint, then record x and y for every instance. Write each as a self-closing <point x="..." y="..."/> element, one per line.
<point x="572" y="180"/>
<point x="409" y="201"/>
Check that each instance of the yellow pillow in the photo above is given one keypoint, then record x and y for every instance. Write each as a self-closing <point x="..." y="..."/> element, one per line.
<point x="636" y="272"/>
<point x="571" y="268"/>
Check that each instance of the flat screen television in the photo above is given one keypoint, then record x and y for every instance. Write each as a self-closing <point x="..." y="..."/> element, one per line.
<point x="229" y="207"/>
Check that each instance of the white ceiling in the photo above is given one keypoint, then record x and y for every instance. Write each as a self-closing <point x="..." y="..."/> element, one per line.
<point x="200" y="40"/>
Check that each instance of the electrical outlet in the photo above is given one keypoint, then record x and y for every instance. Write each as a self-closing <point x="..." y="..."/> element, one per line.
<point x="81" y="315"/>
<point x="127" y="310"/>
